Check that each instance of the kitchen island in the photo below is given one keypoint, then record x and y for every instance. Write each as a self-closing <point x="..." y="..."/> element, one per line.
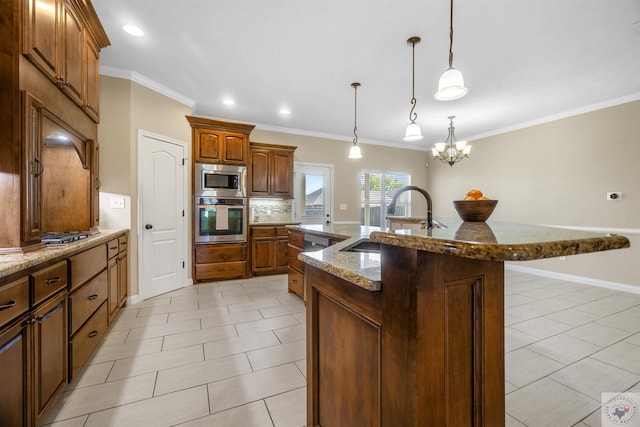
<point x="421" y="343"/>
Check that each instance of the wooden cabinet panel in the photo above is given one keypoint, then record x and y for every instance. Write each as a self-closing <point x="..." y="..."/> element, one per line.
<point x="15" y="360"/>
<point x="41" y="37"/>
<point x="113" y="247"/>
<point x="123" y="277"/>
<point x="123" y="243"/>
<point x="112" y="280"/>
<point x="221" y="270"/>
<point x="92" y="84"/>
<point x="221" y="253"/>
<point x="259" y="181"/>
<point x="48" y="281"/>
<point x="269" y="249"/>
<point x="211" y="146"/>
<point x="220" y="261"/>
<point x="50" y="354"/>
<point x="295" y="282"/>
<point x="85" y="301"/>
<point x="282" y="254"/>
<point x="262" y="254"/>
<point x="86" y="339"/>
<point x="32" y="169"/>
<point x="235" y="149"/>
<point x="208" y="146"/>
<point x="271" y="170"/>
<point x="296" y="238"/>
<point x="14" y="300"/>
<point x="87" y="264"/>
<point x="282" y="173"/>
<point x="71" y="78"/>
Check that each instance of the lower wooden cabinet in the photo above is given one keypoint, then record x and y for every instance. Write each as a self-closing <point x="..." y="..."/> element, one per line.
<point x="220" y="261"/>
<point x="86" y="339"/>
<point x="15" y="360"/>
<point x="269" y="249"/>
<point x="296" y="267"/>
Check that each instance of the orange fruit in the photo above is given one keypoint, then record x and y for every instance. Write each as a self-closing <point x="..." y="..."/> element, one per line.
<point x="470" y="198"/>
<point x="476" y="194"/>
<point x="483" y="198"/>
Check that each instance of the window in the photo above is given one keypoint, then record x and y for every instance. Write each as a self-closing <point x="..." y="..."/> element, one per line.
<point x="376" y="191"/>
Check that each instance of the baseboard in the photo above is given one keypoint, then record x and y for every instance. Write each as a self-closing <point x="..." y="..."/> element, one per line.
<point x="573" y="278"/>
<point x="133" y="299"/>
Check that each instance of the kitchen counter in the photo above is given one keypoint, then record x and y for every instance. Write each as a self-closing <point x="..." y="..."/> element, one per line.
<point x="13" y="263"/>
<point x="493" y="241"/>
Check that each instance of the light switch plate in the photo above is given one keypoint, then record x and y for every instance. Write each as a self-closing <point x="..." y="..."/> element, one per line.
<point x="343" y="206"/>
<point x="117" y="202"/>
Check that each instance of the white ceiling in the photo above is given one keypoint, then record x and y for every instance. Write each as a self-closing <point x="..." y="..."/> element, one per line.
<point x="524" y="61"/>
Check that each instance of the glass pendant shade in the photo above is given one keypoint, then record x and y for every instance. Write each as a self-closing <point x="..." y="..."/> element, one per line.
<point x="451" y="86"/>
<point x="413" y="132"/>
<point x="354" y="152"/>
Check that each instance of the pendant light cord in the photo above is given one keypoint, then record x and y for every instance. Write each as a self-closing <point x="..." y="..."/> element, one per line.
<point x="451" y="37"/>
<point x="355" y="112"/>
<point x="412" y="115"/>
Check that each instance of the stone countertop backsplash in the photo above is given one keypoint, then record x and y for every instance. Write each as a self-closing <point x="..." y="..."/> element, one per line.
<point x="270" y="211"/>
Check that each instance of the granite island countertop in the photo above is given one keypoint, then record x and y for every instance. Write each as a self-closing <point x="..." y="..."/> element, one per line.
<point x="13" y="263"/>
<point x="493" y="241"/>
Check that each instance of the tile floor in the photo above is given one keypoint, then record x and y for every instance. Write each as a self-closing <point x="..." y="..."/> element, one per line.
<point x="232" y="353"/>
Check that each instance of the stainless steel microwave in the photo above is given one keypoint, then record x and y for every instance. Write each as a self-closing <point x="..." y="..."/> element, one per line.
<point x="220" y="180"/>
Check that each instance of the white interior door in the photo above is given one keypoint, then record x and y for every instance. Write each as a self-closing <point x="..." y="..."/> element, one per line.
<point x="162" y="216"/>
<point x="313" y="193"/>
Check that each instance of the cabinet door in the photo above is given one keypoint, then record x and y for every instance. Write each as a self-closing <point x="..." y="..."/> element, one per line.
<point x="71" y="70"/>
<point x="15" y="359"/>
<point x="208" y="146"/>
<point x="94" y="148"/>
<point x="50" y="354"/>
<point x="92" y="83"/>
<point x="32" y="168"/>
<point x="123" y="277"/>
<point x="282" y="173"/>
<point x="41" y="37"/>
<point x="259" y="173"/>
<point x="235" y="149"/>
<point x="113" y="276"/>
<point x="282" y="254"/>
<point x="262" y="254"/>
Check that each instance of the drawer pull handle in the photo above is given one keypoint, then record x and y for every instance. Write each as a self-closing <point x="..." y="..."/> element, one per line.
<point x="113" y="247"/>
<point x="294" y="281"/>
<point x="92" y="297"/>
<point x="12" y="303"/>
<point x="93" y="334"/>
<point x="53" y="280"/>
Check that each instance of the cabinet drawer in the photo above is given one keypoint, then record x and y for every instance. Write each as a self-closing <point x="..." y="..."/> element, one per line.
<point x="83" y="343"/>
<point x="295" y="281"/>
<point x="87" y="264"/>
<point x="86" y="300"/>
<point x="14" y="300"/>
<point x="282" y="231"/>
<point x="263" y="231"/>
<point x="293" y="258"/>
<point x="113" y="247"/>
<point x="220" y="253"/>
<point x="123" y="243"/>
<point x="48" y="281"/>
<point x="221" y="270"/>
<point x="296" y="239"/>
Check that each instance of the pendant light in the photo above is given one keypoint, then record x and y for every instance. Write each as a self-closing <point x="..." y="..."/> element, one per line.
<point x="413" y="132"/>
<point x="451" y="84"/>
<point x="354" y="151"/>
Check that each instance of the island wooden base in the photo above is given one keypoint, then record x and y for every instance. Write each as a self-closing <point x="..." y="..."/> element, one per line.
<point x="427" y="350"/>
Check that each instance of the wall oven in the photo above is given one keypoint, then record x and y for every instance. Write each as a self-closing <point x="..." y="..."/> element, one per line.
<point x="220" y="220"/>
<point x="220" y="180"/>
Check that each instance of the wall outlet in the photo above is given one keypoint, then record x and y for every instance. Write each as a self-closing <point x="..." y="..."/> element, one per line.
<point x="614" y="195"/>
<point x="343" y="206"/>
<point x="116" y="202"/>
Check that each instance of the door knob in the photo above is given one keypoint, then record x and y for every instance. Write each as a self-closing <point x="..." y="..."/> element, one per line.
<point x="148" y="226"/>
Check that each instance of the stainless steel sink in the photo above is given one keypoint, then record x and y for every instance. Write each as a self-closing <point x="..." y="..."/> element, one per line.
<point x="364" y="245"/>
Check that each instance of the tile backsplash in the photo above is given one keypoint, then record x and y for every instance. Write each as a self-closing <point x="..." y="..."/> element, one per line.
<point x="270" y="210"/>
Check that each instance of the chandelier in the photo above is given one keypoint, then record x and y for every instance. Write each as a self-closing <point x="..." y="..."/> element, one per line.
<point x="451" y="151"/>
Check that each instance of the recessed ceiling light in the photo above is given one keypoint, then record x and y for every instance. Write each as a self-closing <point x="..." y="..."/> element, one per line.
<point x="228" y="102"/>
<point x="285" y="111"/>
<point x="133" y="30"/>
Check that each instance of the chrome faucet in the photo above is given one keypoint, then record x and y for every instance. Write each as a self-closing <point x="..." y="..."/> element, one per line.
<point x="392" y="207"/>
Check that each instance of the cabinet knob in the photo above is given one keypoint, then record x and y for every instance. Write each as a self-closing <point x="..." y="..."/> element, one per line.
<point x="148" y="226"/>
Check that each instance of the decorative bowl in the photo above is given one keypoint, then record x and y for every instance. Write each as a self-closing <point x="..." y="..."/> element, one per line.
<point x="475" y="210"/>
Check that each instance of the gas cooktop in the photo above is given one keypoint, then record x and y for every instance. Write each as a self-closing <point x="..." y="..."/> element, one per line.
<point x="63" y="237"/>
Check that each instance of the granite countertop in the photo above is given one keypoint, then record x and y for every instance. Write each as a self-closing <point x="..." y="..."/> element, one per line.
<point x="493" y="241"/>
<point x="13" y="263"/>
<point x="272" y="223"/>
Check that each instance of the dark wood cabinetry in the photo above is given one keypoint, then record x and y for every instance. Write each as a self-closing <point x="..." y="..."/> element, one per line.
<point x="271" y="170"/>
<point x="117" y="275"/>
<point x="220" y="261"/>
<point x="220" y="142"/>
<point x="296" y="267"/>
<point x="269" y="249"/>
<point x="15" y="359"/>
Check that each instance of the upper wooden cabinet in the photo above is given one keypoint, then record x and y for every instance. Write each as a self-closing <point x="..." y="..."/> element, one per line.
<point x="63" y="42"/>
<point x="271" y="170"/>
<point x="220" y="142"/>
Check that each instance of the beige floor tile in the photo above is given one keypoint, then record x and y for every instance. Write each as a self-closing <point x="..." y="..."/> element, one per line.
<point x="221" y="300"/>
<point x="250" y="415"/>
<point x="282" y="310"/>
<point x="593" y="377"/>
<point x="153" y="362"/>
<point x="254" y="305"/>
<point x="564" y="349"/>
<point x="599" y="308"/>
<point x="302" y="366"/>
<point x="293" y="333"/>
<point x="116" y="337"/>
<point x="593" y="420"/>
<point x="138" y="322"/>
<point x="91" y="375"/>
<point x="622" y="355"/>
<point x="201" y="313"/>
<point x="509" y="421"/>
<point x="71" y="422"/>
<point x="621" y="321"/>
<point x="508" y="387"/>
<point x="541" y="327"/>
<point x="289" y="409"/>
<point x="548" y="291"/>
<point x="634" y="339"/>
<point x="170" y="308"/>
<point x="598" y="334"/>
<point x="151" y="302"/>
<point x="162" y="330"/>
<point x="289" y="299"/>
<point x="104" y="396"/>
<point x="623" y="299"/>
<point x="546" y="403"/>
<point x="277" y="355"/>
<point x="166" y="410"/>
<point x="241" y="344"/>
<point x="514" y="339"/>
<point x="527" y="311"/>
<point x="558" y="303"/>
<point x="110" y="352"/>
<point x="517" y="299"/>
<point x="196" y="374"/>
<point x="301" y="317"/>
<point x="525" y="366"/>
<point x="573" y="317"/>
<point x="199" y="337"/>
<point x="254" y="386"/>
<point x="266" y="325"/>
<point x="230" y="319"/>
